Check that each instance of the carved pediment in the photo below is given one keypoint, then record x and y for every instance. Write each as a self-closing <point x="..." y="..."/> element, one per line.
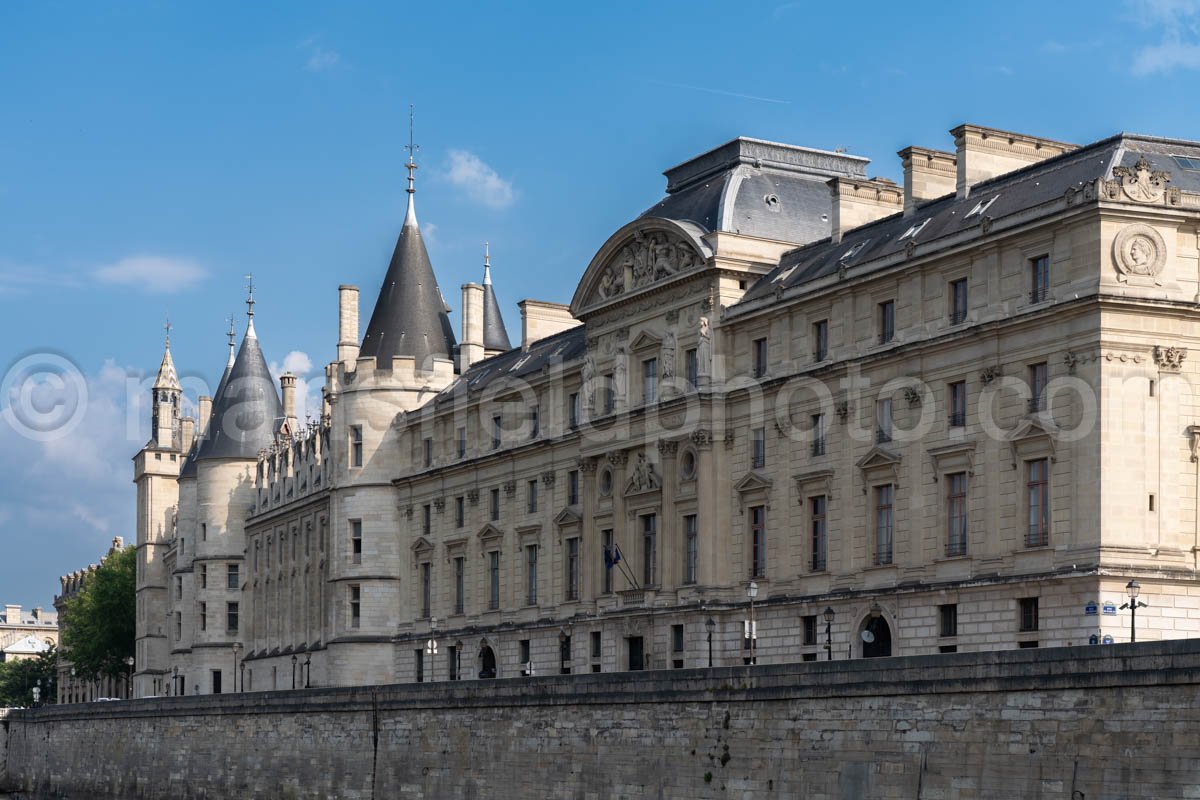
<point x="646" y="340"/>
<point x="568" y="517"/>
<point x="879" y="464"/>
<point x="642" y="477"/>
<point x="813" y="483"/>
<point x="1033" y="437"/>
<point x="753" y="482"/>
<point x="422" y="545"/>
<point x="957" y="457"/>
<point x="489" y="531"/>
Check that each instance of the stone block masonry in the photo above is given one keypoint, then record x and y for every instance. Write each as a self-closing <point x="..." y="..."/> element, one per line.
<point x="1109" y="722"/>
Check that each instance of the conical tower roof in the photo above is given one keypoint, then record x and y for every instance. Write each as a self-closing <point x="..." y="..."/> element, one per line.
<point x="495" y="337"/>
<point x="189" y="462"/>
<point x="246" y="412"/>
<point x="410" y="316"/>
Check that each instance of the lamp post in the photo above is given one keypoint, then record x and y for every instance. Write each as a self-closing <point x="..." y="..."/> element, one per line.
<point x="242" y="679"/>
<point x="1133" y="588"/>
<point x="710" y="625"/>
<point x="37" y="693"/>
<point x="752" y="593"/>
<point x="237" y="649"/>
<point x="129" y="662"/>
<point x="294" y="660"/>
<point x="828" y="614"/>
<point x="308" y="670"/>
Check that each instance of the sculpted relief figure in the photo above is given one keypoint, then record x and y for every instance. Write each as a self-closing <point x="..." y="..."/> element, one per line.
<point x="644" y="477"/>
<point x="589" y="374"/>
<point x="650" y="256"/>
<point x="612" y="283"/>
<point x="668" y="355"/>
<point x="620" y="375"/>
<point x="704" y="349"/>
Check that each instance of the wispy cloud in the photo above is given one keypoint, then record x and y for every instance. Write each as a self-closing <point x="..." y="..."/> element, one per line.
<point x="478" y="181"/>
<point x="20" y="280"/>
<point x="1178" y="22"/>
<point x="319" y="57"/>
<point x="157" y="274"/>
<point x="722" y="92"/>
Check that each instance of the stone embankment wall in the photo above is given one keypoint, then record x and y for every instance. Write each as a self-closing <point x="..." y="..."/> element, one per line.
<point x="1075" y="723"/>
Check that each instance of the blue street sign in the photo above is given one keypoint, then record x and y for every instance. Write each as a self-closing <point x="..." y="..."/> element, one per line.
<point x="1108" y="638"/>
<point x="1090" y="608"/>
<point x="1110" y="608"/>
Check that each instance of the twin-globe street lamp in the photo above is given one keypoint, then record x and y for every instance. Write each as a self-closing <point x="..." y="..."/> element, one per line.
<point x="1133" y="588"/>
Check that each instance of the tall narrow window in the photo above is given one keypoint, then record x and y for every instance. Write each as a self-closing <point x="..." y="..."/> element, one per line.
<point x="535" y="422"/>
<point x="958" y="301"/>
<point x="460" y="584"/>
<point x="573" y="409"/>
<point x="497" y="430"/>
<point x="564" y="655"/>
<point x="531" y="575"/>
<point x="419" y="666"/>
<point x="460" y="511"/>
<point x="691" y="548"/>
<point x="427" y="451"/>
<point x="650" y="380"/>
<point x="573" y="568"/>
<point x="356" y="446"/>
<point x="1038" y="374"/>
<point x="1028" y="614"/>
<point x="758" y="541"/>
<point x="461" y="442"/>
<point x="531" y="497"/>
<point x="426" y="519"/>
<point x="820" y="334"/>
<point x="691" y="367"/>
<point x="883" y="419"/>
<point x="956" y="514"/>
<point x="355" y="606"/>
<point x="650" y="550"/>
<point x="494" y="504"/>
<point x="356" y="541"/>
<point x="204" y="531"/>
<point x="760" y="357"/>
<point x="204" y="576"/>
<point x="1037" y="490"/>
<point x="1039" y="274"/>
<point x="494" y="580"/>
<point x="958" y="404"/>
<point x="231" y="617"/>
<point x="883" y="523"/>
<point x="758" y="448"/>
<point x="818" y="434"/>
<point x="426" y="589"/>
<point x="573" y="487"/>
<point x="887" y="321"/>
<point x="204" y="616"/>
<point x="606" y="537"/>
<point x="609" y="394"/>
<point x="948" y="617"/>
<point x="232" y="573"/>
<point x="818" y="506"/>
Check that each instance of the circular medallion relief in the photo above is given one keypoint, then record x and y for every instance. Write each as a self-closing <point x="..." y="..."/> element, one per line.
<point x="1139" y="251"/>
<point x="687" y="466"/>
<point x="606" y="482"/>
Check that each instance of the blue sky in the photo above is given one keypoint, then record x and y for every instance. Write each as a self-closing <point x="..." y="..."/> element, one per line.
<point x="151" y="154"/>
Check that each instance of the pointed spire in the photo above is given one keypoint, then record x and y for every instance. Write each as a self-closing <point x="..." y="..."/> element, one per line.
<point x="487" y="265"/>
<point x="495" y="337"/>
<point x="232" y="344"/>
<point x="410" y="216"/>
<point x="250" y="306"/>
<point x="167" y="377"/>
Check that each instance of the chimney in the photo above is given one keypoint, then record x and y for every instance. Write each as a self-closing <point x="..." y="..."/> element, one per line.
<point x="37" y="613"/>
<point x="470" y="349"/>
<point x="347" y="351"/>
<point x="540" y="319"/>
<point x="204" y="409"/>
<point x="985" y="153"/>
<point x="857" y="201"/>
<point x="12" y="614"/>
<point x="287" y="383"/>
<point x="188" y="426"/>
<point x="928" y="174"/>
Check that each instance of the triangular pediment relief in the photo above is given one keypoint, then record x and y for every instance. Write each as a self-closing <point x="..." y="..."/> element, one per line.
<point x="646" y="340"/>
<point x="753" y="482"/>
<point x="1032" y="438"/>
<point x="489" y="531"/>
<point x="421" y="545"/>
<point x="1031" y="427"/>
<point x="567" y="517"/>
<point x="878" y="457"/>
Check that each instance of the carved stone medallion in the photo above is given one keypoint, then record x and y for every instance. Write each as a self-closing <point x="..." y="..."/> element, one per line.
<point x="1139" y="251"/>
<point x="1142" y="184"/>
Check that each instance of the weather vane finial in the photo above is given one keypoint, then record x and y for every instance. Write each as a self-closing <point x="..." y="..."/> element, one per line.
<point x="249" y="295"/>
<point x="232" y="332"/>
<point x="412" y="147"/>
<point x="167" y="328"/>
<point x="487" y="255"/>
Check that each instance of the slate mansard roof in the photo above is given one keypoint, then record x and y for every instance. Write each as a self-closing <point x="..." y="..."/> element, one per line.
<point x="561" y="348"/>
<point x="1008" y="194"/>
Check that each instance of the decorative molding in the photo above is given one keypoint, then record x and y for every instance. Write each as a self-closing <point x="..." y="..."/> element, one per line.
<point x="473" y="496"/>
<point x="842" y="409"/>
<point x="822" y="479"/>
<point x="649" y="257"/>
<point x="587" y="465"/>
<point x="877" y="460"/>
<point x="1139" y="254"/>
<point x="618" y="458"/>
<point x="990" y="373"/>
<point x="643" y="478"/>
<point x="1142" y="184"/>
<point x="510" y="488"/>
<point x="1193" y="431"/>
<point x="439" y="503"/>
<point x="667" y="447"/>
<point x="1071" y="360"/>
<point x="1032" y="437"/>
<point x="912" y="396"/>
<point x="752" y="482"/>
<point x="1170" y="359"/>
<point x="957" y="457"/>
<point x="702" y="437"/>
<point x="548" y="478"/>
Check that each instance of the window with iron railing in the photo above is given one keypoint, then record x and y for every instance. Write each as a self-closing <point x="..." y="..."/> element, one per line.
<point x="957" y="402"/>
<point x="956" y="514"/>
<point x="887" y="321"/>
<point x="958" y="301"/>
<point x="884" y="496"/>
<point x="1037" y="489"/>
<point x="1039" y="273"/>
<point x="818" y="506"/>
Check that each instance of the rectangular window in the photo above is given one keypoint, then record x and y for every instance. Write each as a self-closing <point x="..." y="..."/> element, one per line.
<point x="204" y="616"/>
<point x="356" y="541"/>
<point x="453" y="663"/>
<point x="650" y="380"/>
<point x="573" y="409"/>
<point x="758" y="541"/>
<point x="494" y="504"/>
<point x="564" y="655"/>
<point x="883" y="419"/>
<point x="887" y="321"/>
<point x="231" y="617"/>
<point x="958" y="301"/>
<point x="426" y="589"/>
<point x="204" y="531"/>
<point x="597" y="645"/>
<point x="818" y="506"/>
<point x="818" y="434"/>
<point x="419" y="659"/>
<point x="497" y="431"/>
<point x="956" y="514"/>
<point x="573" y="568"/>
<point x="535" y="422"/>
<point x="216" y="681"/>
<point x="650" y="550"/>
<point x="427" y="452"/>
<point x="810" y="629"/>
<point x="461" y="442"/>
<point x="178" y="626"/>
<point x="1029" y="614"/>
<point x="691" y="367"/>
<point x="426" y="519"/>
<point x="1039" y="273"/>
<point x="606" y="537"/>
<point x="460" y="511"/>
<point x="355" y="606"/>
<point x="531" y="498"/>
<point x="356" y="445"/>
<point x="609" y="394"/>
<point x="1037" y="489"/>
<point x="178" y="587"/>
<point x="758" y="448"/>
<point x="957" y="402"/>
<point x="526" y="659"/>
<point x="820" y="334"/>
<point x="494" y="580"/>
<point x="573" y="487"/>
<point x="232" y="576"/>
<point x="531" y="575"/>
<point x="691" y="548"/>
<point x="460" y="584"/>
<point x="676" y="638"/>
<point x="760" y="357"/>
<point x="204" y="576"/>
<point x="1038" y="374"/>
<point x="948" y="619"/>
<point x="883" y="523"/>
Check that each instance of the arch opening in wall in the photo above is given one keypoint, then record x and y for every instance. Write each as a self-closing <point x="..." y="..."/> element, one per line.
<point x="487" y="662"/>
<point x="875" y="636"/>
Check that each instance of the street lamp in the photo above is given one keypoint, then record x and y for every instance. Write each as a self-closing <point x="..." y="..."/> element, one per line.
<point x="308" y="670"/>
<point x="828" y="614"/>
<point x="710" y="626"/>
<point x="37" y="693"/>
<point x="752" y="593"/>
<point x="175" y="681"/>
<point x="237" y="648"/>
<point x="294" y="660"/>
<point x="1133" y="588"/>
<point x="129" y="662"/>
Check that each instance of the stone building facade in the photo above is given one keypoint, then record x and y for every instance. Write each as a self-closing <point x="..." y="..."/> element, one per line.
<point x="26" y="634"/>
<point x="791" y="413"/>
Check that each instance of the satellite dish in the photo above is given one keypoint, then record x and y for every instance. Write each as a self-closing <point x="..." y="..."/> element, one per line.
<point x="868" y="637"/>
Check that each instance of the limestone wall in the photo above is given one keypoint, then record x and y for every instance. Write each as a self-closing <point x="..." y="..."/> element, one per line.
<point x="1094" y="722"/>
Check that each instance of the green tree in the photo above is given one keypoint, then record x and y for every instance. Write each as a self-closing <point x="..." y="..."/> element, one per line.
<point x="98" y="622"/>
<point x="17" y="679"/>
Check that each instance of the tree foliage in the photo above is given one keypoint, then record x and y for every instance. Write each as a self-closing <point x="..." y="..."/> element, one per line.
<point x="17" y="679"/>
<point x="98" y="623"/>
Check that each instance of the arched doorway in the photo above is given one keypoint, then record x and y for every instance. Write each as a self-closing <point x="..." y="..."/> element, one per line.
<point x="487" y="662"/>
<point x="876" y="638"/>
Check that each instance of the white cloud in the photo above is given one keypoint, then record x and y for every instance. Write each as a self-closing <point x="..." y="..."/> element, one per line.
<point x="1179" y="21"/>
<point x="308" y="393"/>
<point x="320" y="58"/>
<point x="480" y="182"/>
<point x="153" y="273"/>
<point x="429" y="232"/>
<point x="297" y="363"/>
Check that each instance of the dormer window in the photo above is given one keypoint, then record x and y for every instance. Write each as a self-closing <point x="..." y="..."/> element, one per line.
<point x="915" y="229"/>
<point x="856" y="249"/>
<point x="981" y="207"/>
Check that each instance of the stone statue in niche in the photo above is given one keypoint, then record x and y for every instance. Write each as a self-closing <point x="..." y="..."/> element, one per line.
<point x="644" y="477"/>
<point x="704" y="349"/>
<point x="589" y="376"/>
<point x="668" y="355"/>
<point x="620" y="375"/>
